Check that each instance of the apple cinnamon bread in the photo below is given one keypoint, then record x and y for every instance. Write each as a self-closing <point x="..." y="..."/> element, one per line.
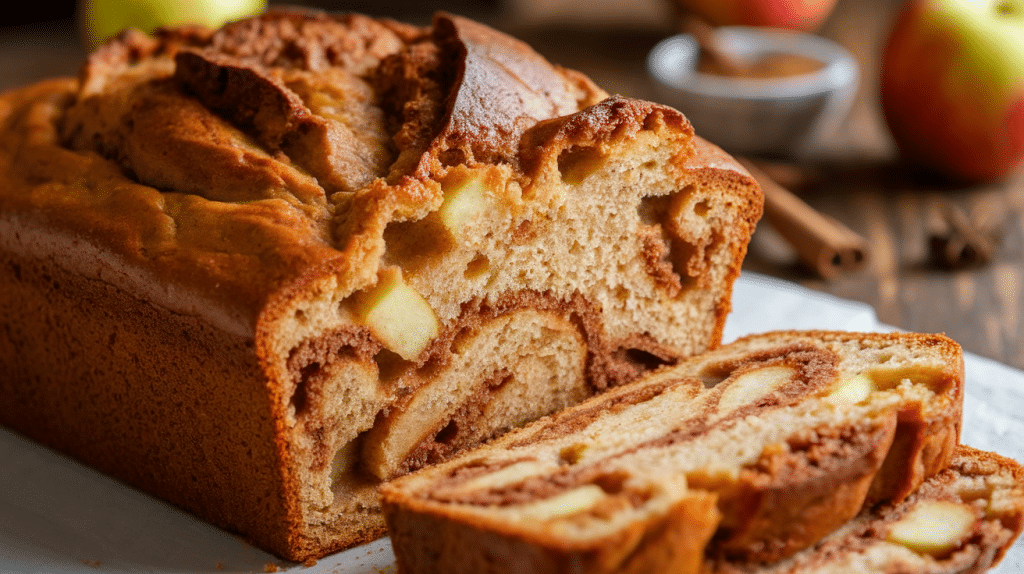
<point x="256" y="270"/>
<point x="960" y="521"/>
<point x="749" y="453"/>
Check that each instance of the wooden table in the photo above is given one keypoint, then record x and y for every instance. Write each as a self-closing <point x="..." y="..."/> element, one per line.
<point x="867" y="190"/>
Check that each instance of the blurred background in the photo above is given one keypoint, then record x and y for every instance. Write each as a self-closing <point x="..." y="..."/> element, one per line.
<point x="607" y="39"/>
<point x="640" y="10"/>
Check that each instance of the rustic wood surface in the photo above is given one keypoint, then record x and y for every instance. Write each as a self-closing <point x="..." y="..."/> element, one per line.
<point x="863" y="185"/>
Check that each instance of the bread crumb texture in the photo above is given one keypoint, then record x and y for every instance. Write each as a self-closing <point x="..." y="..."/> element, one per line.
<point x="303" y="253"/>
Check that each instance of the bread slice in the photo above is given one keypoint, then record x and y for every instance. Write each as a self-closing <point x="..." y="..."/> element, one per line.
<point x="257" y="270"/>
<point x="750" y="452"/>
<point x="960" y="521"/>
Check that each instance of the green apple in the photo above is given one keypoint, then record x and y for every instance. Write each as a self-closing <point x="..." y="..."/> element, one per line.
<point x="793" y="14"/>
<point x="102" y="19"/>
<point x="952" y="86"/>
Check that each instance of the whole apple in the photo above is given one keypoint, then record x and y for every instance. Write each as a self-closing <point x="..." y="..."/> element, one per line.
<point x="102" y="19"/>
<point x="804" y="15"/>
<point x="952" y="86"/>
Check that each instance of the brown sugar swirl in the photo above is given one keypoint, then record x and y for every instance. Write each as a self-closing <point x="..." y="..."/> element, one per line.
<point x="777" y="438"/>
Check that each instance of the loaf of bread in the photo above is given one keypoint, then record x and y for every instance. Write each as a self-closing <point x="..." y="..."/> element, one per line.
<point x="748" y="453"/>
<point x="960" y="521"/>
<point x="257" y="270"/>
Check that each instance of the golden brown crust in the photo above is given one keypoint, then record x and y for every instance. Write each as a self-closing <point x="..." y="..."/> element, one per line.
<point x="483" y="124"/>
<point x="671" y="543"/>
<point x="179" y="246"/>
<point x="970" y="462"/>
<point x="60" y="316"/>
<point x="255" y="183"/>
<point x="598" y="127"/>
<point x="261" y="74"/>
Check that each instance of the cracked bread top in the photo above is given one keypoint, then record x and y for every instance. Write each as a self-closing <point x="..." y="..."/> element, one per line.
<point x="278" y="145"/>
<point x="262" y="175"/>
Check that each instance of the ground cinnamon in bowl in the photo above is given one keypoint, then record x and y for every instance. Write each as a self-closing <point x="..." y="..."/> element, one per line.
<point x="768" y="66"/>
<point x="766" y="92"/>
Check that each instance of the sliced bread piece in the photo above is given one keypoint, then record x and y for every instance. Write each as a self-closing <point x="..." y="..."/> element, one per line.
<point x="960" y="521"/>
<point x="751" y="452"/>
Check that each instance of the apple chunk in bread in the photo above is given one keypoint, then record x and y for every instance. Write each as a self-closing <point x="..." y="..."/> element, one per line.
<point x="465" y="198"/>
<point x="398" y="316"/>
<point x="852" y="390"/>
<point x="752" y="385"/>
<point x="934" y="527"/>
<point x="565" y="504"/>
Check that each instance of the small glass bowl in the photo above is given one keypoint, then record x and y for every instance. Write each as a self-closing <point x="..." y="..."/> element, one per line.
<point x="775" y="116"/>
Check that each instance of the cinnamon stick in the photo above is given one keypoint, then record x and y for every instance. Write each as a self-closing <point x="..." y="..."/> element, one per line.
<point x="791" y="176"/>
<point x="711" y="47"/>
<point x="825" y="245"/>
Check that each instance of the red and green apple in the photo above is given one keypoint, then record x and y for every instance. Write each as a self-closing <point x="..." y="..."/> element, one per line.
<point x="952" y="86"/>
<point x="793" y="14"/>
